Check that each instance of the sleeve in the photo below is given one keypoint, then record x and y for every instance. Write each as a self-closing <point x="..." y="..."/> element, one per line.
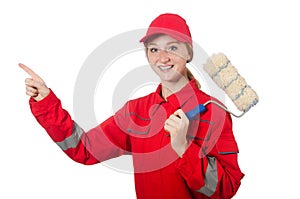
<point x="103" y="142"/>
<point x="214" y="173"/>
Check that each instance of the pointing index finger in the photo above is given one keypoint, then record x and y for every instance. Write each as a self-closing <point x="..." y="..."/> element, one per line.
<point x="30" y="72"/>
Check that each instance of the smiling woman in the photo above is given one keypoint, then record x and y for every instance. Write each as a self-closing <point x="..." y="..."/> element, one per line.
<point x="168" y="58"/>
<point x="173" y="156"/>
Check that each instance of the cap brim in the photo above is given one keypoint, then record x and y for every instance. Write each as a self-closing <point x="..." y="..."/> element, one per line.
<point x="176" y="35"/>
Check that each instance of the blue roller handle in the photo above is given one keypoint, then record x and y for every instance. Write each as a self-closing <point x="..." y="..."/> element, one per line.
<point x="197" y="110"/>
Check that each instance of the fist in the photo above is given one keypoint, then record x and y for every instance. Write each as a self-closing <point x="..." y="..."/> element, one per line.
<point x="177" y="125"/>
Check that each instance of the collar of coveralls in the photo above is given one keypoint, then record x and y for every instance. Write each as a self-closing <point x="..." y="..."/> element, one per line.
<point x="184" y="98"/>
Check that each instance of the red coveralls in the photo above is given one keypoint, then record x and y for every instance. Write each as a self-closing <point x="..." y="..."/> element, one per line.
<point x="207" y="169"/>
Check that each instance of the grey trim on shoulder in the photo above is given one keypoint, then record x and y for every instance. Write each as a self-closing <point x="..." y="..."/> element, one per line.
<point x="72" y="140"/>
<point x="211" y="178"/>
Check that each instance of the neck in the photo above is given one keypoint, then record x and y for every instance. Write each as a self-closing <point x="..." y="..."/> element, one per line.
<point x="169" y="88"/>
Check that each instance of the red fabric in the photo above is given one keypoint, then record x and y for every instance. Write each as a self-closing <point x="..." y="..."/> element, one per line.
<point x="137" y="129"/>
<point x="172" y="25"/>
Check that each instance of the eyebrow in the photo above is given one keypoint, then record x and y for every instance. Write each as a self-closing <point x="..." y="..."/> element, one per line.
<point x="171" y="42"/>
<point x="154" y="44"/>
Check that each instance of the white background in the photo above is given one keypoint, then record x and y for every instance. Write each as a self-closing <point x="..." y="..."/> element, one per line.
<point x="261" y="38"/>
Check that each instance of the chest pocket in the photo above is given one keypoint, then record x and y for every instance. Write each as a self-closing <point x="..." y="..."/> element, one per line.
<point x="200" y="130"/>
<point x="227" y="145"/>
<point x="222" y="143"/>
<point x="146" y="122"/>
<point x="137" y="124"/>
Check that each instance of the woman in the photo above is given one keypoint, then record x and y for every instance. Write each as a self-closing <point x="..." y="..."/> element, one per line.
<point x="173" y="157"/>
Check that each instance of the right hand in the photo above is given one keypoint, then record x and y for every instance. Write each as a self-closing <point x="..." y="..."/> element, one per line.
<point x="35" y="86"/>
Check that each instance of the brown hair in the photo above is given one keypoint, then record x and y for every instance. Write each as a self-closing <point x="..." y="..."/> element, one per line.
<point x="191" y="76"/>
<point x="189" y="73"/>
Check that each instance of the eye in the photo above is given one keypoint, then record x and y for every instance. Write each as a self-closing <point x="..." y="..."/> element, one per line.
<point x="172" y="48"/>
<point x="153" y="50"/>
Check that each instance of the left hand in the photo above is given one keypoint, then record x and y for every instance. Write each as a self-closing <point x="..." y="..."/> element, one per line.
<point x="177" y="125"/>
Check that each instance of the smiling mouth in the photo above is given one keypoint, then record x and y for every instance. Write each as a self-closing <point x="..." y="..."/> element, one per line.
<point x="165" y="68"/>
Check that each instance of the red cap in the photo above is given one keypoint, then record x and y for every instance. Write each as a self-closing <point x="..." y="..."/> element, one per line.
<point x="169" y="24"/>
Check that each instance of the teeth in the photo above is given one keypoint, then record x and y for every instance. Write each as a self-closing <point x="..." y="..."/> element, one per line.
<point x="165" y="67"/>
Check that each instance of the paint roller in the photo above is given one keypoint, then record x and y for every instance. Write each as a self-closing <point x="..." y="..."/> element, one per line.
<point x="226" y="76"/>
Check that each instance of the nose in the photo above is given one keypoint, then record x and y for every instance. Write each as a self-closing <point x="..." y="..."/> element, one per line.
<point x="164" y="56"/>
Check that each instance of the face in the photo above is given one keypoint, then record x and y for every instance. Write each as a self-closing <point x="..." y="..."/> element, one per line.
<point x="168" y="58"/>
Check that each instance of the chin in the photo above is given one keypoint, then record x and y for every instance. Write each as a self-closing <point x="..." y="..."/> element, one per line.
<point x="171" y="78"/>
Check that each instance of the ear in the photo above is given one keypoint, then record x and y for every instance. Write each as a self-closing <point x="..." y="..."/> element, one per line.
<point x="146" y="53"/>
<point x="188" y="58"/>
<point x="190" y="53"/>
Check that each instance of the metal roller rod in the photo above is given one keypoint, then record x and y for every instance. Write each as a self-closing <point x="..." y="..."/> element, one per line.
<point x="224" y="108"/>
